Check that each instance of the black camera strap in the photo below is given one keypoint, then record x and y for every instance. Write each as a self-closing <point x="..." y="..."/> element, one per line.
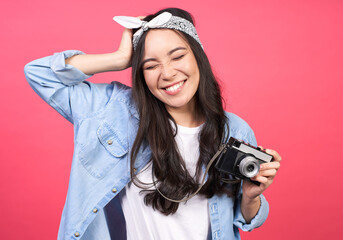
<point x="220" y="150"/>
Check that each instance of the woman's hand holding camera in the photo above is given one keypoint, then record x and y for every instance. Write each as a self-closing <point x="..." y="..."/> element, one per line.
<point x="250" y="200"/>
<point x="265" y="176"/>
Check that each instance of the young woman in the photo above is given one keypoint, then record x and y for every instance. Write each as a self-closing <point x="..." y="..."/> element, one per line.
<point x="136" y="148"/>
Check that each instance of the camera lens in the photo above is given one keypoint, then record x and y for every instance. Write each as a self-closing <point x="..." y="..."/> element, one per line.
<point x="249" y="166"/>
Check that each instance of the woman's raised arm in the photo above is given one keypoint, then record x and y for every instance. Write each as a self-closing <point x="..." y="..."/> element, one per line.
<point x="60" y="79"/>
<point x="96" y="63"/>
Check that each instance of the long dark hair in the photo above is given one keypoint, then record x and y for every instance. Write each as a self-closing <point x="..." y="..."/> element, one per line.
<point x="169" y="169"/>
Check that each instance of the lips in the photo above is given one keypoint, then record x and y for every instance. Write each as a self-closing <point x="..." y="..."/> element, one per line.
<point x="173" y="89"/>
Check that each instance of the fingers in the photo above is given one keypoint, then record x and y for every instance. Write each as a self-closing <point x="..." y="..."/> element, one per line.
<point x="268" y="171"/>
<point x="261" y="179"/>
<point x="275" y="154"/>
<point x="265" y="176"/>
<point x="270" y="165"/>
<point x="126" y="41"/>
<point x="261" y="148"/>
<point x="127" y="35"/>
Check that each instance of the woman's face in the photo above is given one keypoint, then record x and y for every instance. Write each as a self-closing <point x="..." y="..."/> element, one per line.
<point x="170" y="69"/>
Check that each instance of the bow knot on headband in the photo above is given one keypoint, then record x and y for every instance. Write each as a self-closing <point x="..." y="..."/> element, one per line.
<point x="163" y="20"/>
<point x="144" y="26"/>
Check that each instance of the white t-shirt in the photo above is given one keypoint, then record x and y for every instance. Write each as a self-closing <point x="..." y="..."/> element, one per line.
<point x="191" y="221"/>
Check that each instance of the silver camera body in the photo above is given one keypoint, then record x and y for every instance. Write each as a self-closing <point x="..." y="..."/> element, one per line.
<point x="240" y="160"/>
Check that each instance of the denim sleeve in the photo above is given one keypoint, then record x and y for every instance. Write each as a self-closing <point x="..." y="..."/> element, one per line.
<point x="257" y="221"/>
<point x="262" y="213"/>
<point x="64" y="87"/>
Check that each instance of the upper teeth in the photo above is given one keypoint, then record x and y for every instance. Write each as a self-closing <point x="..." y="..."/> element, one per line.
<point x="175" y="87"/>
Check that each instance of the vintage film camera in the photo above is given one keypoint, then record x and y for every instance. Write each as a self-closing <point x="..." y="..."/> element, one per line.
<point x="239" y="160"/>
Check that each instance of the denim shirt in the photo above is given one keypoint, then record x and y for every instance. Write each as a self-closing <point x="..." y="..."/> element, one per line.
<point x="105" y="122"/>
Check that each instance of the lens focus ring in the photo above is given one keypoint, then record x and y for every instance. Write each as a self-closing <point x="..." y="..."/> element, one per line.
<point x="249" y="167"/>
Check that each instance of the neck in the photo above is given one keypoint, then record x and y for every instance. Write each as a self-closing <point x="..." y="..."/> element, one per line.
<point x="187" y="116"/>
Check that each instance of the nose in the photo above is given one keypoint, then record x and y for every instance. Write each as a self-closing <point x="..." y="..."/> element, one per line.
<point x="168" y="72"/>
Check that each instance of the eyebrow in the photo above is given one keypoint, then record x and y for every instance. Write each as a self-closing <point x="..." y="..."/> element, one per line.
<point x="169" y="53"/>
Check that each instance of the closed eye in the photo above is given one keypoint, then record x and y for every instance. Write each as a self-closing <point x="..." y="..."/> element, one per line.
<point x="150" y="67"/>
<point x="178" y="57"/>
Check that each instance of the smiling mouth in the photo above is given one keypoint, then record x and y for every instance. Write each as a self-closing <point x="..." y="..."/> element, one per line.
<point x="175" y="87"/>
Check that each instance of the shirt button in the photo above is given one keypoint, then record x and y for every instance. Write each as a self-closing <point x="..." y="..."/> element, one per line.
<point x="114" y="190"/>
<point x="135" y="170"/>
<point x="77" y="234"/>
<point x="109" y="142"/>
<point x="95" y="210"/>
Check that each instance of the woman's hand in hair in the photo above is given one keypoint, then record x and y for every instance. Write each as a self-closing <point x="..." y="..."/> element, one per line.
<point x="250" y="200"/>
<point x="125" y="50"/>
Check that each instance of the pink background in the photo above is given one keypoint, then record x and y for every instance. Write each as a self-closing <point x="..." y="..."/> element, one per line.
<point x="280" y="63"/>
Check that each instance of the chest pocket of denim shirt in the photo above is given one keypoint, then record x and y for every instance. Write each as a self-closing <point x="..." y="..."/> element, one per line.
<point x="104" y="152"/>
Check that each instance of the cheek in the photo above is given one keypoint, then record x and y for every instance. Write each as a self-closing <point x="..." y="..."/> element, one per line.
<point x="195" y="68"/>
<point x="150" y="81"/>
<point x="191" y="67"/>
<point x="148" y="78"/>
<point x="193" y="71"/>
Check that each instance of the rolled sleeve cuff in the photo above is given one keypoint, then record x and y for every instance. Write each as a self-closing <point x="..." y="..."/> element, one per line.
<point x="257" y="221"/>
<point x="67" y="74"/>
